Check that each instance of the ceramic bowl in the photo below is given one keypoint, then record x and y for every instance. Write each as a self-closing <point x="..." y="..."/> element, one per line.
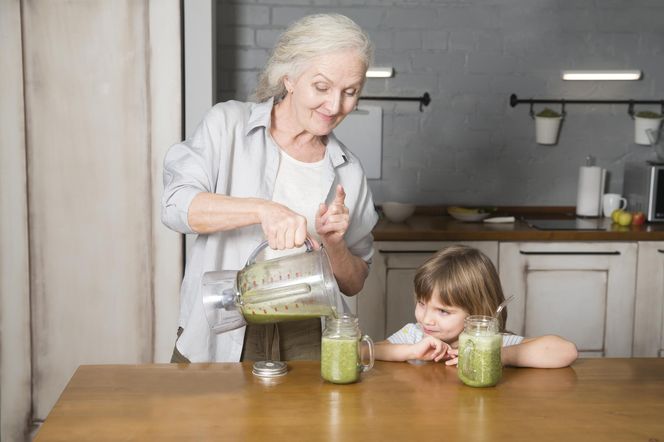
<point x="468" y="215"/>
<point x="397" y="212"/>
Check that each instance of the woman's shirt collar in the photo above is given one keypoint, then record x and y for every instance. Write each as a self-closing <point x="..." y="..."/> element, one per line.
<point x="261" y="116"/>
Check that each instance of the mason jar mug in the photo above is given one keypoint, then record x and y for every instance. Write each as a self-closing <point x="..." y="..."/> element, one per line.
<point x="342" y="350"/>
<point x="480" y="343"/>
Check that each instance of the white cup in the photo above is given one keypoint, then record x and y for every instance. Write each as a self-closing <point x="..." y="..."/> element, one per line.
<point x="611" y="202"/>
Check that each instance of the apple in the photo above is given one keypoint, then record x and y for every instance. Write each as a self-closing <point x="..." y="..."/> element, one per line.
<point x="616" y="214"/>
<point x="625" y="218"/>
<point x="638" y="218"/>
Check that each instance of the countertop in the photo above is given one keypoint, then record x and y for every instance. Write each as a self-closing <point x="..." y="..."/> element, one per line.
<point x="433" y="224"/>
<point x="594" y="399"/>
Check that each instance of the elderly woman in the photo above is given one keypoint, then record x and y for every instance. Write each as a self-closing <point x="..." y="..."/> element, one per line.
<point x="274" y="170"/>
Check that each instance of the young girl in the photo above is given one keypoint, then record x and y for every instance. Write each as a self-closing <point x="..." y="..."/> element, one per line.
<point x="457" y="282"/>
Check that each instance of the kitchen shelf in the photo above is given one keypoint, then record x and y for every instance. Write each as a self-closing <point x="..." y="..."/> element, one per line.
<point x="514" y="100"/>
<point x="424" y="100"/>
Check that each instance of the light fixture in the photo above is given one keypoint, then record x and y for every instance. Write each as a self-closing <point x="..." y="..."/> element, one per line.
<point x="380" y="72"/>
<point x="632" y="74"/>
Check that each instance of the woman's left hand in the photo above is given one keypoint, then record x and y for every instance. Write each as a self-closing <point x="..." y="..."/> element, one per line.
<point x="332" y="222"/>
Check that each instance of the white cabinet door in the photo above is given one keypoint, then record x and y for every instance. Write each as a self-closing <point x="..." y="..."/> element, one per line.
<point x="649" y="310"/>
<point x="386" y="303"/>
<point x="581" y="291"/>
<point x="400" y="297"/>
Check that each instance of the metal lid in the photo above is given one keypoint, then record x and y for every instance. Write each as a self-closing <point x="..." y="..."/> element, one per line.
<point x="270" y="369"/>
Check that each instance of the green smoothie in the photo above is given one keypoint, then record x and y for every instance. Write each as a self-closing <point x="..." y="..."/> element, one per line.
<point x="271" y="314"/>
<point x="480" y="366"/>
<point x="339" y="360"/>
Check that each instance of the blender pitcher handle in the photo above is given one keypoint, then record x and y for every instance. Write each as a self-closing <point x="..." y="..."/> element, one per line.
<point x="264" y="244"/>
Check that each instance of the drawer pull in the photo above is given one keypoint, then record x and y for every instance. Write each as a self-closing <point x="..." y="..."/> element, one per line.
<point x="523" y="252"/>
<point x="660" y="251"/>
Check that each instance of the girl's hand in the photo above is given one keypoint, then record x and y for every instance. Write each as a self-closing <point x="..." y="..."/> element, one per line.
<point x="430" y="349"/>
<point x="283" y="228"/>
<point x="333" y="221"/>
<point x="453" y="354"/>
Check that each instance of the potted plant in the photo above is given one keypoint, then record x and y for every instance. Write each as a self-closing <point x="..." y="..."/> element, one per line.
<point x="547" y="126"/>
<point x="643" y="121"/>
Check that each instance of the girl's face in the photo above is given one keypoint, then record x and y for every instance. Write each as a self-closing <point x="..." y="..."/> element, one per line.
<point x="326" y="91"/>
<point x="440" y="321"/>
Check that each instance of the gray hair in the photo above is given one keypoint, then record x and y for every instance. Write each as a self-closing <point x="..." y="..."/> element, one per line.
<point x="307" y="38"/>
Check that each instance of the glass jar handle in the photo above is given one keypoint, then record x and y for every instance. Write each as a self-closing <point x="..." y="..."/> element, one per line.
<point x="370" y="344"/>
<point x="467" y="368"/>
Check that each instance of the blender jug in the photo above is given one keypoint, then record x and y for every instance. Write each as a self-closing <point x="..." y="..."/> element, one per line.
<point x="288" y="288"/>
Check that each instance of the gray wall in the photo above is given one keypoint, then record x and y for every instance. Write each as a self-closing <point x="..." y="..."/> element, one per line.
<point x="469" y="146"/>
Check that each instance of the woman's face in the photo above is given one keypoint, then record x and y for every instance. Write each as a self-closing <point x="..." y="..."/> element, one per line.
<point x="326" y="91"/>
<point x="440" y="321"/>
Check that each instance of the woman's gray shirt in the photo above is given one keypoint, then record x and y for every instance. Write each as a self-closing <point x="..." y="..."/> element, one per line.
<point x="232" y="153"/>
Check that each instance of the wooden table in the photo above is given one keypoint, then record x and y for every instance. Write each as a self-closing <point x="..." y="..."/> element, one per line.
<point x="595" y="399"/>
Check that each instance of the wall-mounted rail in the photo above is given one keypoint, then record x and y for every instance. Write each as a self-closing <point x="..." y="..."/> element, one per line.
<point x="424" y="100"/>
<point x="514" y="100"/>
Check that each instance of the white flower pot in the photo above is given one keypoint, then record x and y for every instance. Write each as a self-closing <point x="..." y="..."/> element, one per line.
<point x="640" y="126"/>
<point x="547" y="129"/>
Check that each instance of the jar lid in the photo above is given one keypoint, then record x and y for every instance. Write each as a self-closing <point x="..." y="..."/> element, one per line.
<point x="270" y="369"/>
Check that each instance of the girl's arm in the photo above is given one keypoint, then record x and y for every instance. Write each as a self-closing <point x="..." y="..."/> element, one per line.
<point x="548" y="351"/>
<point x="428" y="349"/>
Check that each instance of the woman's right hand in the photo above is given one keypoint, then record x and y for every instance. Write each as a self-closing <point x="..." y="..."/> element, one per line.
<point x="283" y="228"/>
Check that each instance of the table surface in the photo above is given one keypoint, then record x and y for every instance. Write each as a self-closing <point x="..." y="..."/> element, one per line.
<point x="594" y="399"/>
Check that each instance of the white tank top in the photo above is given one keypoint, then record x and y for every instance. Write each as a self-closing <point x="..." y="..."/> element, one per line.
<point x="299" y="186"/>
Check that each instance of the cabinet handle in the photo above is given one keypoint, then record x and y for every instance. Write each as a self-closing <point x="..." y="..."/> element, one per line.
<point x="523" y="252"/>
<point x="660" y="251"/>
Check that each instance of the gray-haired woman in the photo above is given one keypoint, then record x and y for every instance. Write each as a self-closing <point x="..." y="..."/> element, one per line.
<point x="274" y="170"/>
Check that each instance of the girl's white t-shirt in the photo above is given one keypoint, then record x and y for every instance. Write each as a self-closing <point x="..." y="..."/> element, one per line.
<point x="412" y="334"/>
<point x="300" y="187"/>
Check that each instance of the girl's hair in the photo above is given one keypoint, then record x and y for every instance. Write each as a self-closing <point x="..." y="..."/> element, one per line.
<point x="304" y="40"/>
<point x="462" y="277"/>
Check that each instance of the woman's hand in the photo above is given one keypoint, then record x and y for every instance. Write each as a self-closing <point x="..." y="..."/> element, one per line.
<point x="331" y="225"/>
<point x="332" y="222"/>
<point x="283" y="228"/>
<point x="430" y="349"/>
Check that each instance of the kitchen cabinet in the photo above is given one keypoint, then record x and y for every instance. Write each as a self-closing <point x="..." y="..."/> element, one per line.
<point x="386" y="303"/>
<point x="584" y="292"/>
<point x="649" y="307"/>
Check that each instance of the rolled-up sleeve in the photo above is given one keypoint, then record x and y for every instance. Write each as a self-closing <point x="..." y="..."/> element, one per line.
<point x="190" y="167"/>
